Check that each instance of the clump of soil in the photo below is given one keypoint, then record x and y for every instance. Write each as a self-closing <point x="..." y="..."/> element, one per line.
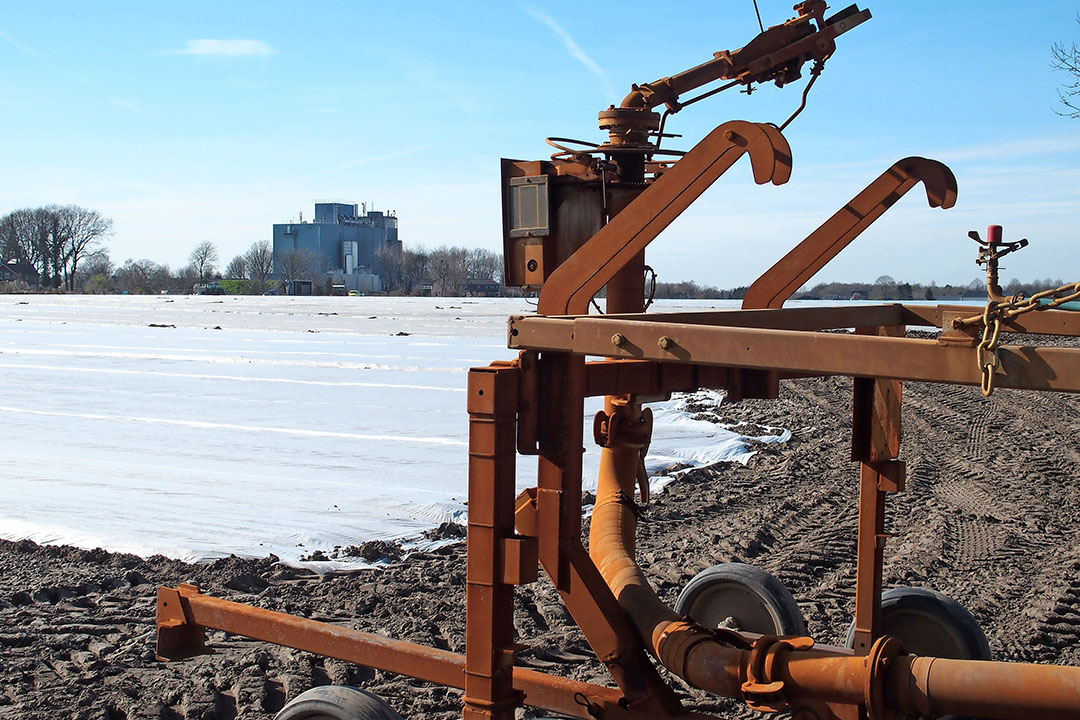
<point x="988" y="517"/>
<point x="446" y="531"/>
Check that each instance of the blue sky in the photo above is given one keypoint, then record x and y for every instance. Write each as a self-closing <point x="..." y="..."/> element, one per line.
<point x="197" y="120"/>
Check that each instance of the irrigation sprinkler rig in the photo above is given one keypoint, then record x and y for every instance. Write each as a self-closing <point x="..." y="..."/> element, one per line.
<point x="581" y="222"/>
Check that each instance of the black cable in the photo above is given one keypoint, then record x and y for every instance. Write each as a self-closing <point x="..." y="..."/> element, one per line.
<point x="814" y="73"/>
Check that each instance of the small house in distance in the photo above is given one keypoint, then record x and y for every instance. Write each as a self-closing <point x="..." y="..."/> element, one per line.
<point x="19" y="272"/>
<point x="346" y="242"/>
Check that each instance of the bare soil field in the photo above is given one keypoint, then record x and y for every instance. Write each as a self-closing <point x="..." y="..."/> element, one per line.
<point x="990" y="517"/>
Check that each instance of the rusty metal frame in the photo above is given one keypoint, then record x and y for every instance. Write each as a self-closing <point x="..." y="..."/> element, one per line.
<point x="802" y="352"/>
<point x="534" y="407"/>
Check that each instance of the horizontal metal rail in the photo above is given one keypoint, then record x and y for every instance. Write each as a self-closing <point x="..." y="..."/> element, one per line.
<point x="1025" y="367"/>
<point x="183" y="614"/>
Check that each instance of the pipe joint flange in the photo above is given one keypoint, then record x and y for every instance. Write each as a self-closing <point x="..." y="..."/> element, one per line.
<point x="764" y="689"/>
<point x="883" y="651"/>
<point x="626" y="427"/>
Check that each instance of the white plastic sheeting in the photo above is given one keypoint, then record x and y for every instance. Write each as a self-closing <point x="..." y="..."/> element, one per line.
<point x="259" y="425"/>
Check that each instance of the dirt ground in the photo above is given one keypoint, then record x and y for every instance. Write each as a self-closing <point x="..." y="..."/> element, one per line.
<point x="990" y="517"/>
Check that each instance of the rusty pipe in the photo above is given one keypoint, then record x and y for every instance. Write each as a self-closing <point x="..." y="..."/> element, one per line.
<point x="918" y="685"/>
<point x="612" y="548"/>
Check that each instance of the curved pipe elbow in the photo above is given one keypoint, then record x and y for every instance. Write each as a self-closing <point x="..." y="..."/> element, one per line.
<point x="635" y="99"/>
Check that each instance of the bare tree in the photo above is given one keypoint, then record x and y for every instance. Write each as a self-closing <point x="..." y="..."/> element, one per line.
<point x="449" y="270"/>
<point x="300" y="265"/>
<point x="204" y="259"/>
<point x="184" y="280"/>
<point x="142" y="277"/>
<point x="884" y="285"/>
<point x="260" y="261"/>
<point x="96" y="266"/>
<point x="237" y="268"/>
<point x="1067" y="59"/>
<point x="484" y="266"/>
<point x="414" y="266"/>
<point x="81" y="230"/>
<point x="388" y="261"/>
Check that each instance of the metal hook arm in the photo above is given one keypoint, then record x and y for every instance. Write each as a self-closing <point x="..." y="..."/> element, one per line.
<point x="780" y="281"/>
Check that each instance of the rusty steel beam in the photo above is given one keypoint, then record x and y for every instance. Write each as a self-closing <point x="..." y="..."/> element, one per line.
<point x="875" y="444"/>
<point x="1041" y="322"/>
<point x="558" y="335"/>
<point x="540" y="690"/>
<point x="489" y="598"/>
<point x="780" y="281"/>
<point x="568" y="290"/>
<point x="647" y="378"/>
<point x="802" y="318"/>
<point x="1023" y="367"/>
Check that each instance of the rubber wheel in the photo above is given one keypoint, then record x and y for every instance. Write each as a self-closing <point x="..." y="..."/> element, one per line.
<point x="337" y="702"/>
<point x="741" y="597"/>
<point x="929" y="624"/>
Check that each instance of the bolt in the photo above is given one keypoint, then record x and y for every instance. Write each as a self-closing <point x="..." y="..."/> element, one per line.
<point x="665" y="342"/>
<point x="728" y="134"/>
<point x="618" y="339"/>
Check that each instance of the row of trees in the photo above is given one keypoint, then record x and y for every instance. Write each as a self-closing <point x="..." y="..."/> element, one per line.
<point x="447" y="271"/>
<point x="53" y="239"/>
<point x="98" y="274"/>
<point x="450" y="270"/>
<point x="886" y="288"/>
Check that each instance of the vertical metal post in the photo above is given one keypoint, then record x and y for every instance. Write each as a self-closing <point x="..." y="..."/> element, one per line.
<point x="489" y="601"/>
<point x="605" y="624"/>
<point x="875" y="445"/>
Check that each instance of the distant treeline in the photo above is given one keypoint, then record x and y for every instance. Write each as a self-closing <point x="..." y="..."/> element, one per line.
<point x="60" y="247"/>
<point x="884" y="288"/>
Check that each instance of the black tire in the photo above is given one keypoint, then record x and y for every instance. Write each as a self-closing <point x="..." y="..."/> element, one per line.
<point x="929" y="624"/>
<point x="337" y="702"/>
<point x="741" y="597"/>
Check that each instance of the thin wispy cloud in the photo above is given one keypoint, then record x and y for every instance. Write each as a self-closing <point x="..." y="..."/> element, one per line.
<point x="223" y="48"/>
<point x="17" y="45"/>
<point x="118" y="102"/>
<point x="366" y="161"/>
<point x="568" y="41"/>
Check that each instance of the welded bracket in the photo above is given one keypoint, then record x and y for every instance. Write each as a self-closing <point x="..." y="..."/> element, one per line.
<point x="178" y="636"/>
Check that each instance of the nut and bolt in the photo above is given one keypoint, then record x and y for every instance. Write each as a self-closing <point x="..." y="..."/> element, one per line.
<point x="665" y="342"/>
<point x="618" y="339"/>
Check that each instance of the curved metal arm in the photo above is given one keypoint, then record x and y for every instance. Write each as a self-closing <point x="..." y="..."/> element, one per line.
<point x="780" y="281"/>
<point x="775" y="54"/>
<point x="568" y="290"/>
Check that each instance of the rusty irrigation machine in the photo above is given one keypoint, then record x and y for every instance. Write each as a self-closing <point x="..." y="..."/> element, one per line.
<point x="580" y="222"/>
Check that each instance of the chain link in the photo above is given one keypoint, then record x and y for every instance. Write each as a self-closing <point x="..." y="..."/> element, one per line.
<point x="997" y="311"/>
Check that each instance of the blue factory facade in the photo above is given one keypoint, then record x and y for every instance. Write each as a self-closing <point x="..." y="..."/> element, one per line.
<point x="343" y="241"/>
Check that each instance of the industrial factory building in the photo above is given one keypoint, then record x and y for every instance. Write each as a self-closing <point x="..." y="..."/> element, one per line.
<point x="346" y="241"/>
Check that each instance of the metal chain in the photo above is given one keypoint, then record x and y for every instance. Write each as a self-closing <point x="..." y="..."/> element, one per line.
<point x="1013" y="306"/>
<point x="986" y="355"/>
